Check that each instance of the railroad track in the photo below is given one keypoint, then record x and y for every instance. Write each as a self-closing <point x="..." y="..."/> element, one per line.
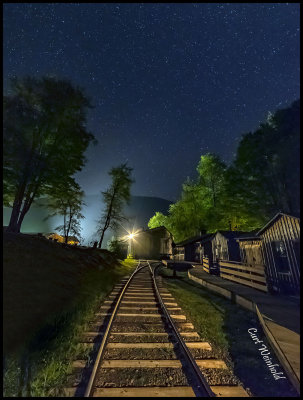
<point x="145" y="347"/>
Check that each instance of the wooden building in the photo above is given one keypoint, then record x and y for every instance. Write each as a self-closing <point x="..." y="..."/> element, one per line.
<point x="153" y="243"/>
<point x="179" y="252"/>
<point x="251" y="250"/>
<point x="281" y="253"/>
<point x="225" y="245"/>
<point x="187" y="250"/>
<point x="194" y="249"/>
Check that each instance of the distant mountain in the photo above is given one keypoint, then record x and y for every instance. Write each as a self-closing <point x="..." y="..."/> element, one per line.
<point x="139" y="211"/>
<point x="142" y="208"/>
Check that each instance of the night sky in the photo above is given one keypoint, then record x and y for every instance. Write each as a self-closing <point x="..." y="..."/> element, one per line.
<point x="169" y="82"/>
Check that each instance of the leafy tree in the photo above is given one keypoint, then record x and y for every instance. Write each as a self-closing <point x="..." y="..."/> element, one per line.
<point x="114" y="199"/>
<point x="261" y="181"/>
<point x="211" y="176"/>
<point x="117" y="247"/>
<point x="157" y="220"/>
<point x="44" y="141"/>
<point x="199" y="208"/>
<point x="67" y="200"/>
<point x="267" y="166"/>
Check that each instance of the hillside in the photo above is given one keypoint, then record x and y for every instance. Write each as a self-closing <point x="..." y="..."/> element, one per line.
<point x="43" y="279"/>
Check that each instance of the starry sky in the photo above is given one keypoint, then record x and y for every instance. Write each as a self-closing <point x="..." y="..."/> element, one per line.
<point x="169" y="81"/>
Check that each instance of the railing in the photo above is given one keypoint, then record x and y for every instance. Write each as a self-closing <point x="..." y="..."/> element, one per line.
<point x="244" y="274"/>
<point x="206" y="264"/>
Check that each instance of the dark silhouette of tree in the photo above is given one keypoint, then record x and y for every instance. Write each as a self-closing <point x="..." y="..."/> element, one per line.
<point x="67" y="200"/>
<point x="264" y="178"/>
<point x="114" y="199"/>
<point x="45" y="138"/>
<point x="117" y="247"/>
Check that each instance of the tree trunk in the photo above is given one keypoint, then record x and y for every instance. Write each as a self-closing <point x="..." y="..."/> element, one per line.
<point x="101" y="239"/>
<point x="29" y="198"/>
<point x="13" y="223"/>
<point x="106" y="225"/>
<point x="69" y="224"/>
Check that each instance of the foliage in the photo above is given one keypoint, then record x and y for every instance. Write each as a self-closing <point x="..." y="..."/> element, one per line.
<point x="262" y="180"/>
<point x="67" y="200"/>
<point x="117" y="247"/>
<point x="158" y="219"/>
<point x="265" y="174"/>
<point x="114" y="199"/>
<point x="44" y="141"/>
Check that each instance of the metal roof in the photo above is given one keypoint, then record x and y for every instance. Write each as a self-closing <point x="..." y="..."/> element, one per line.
<point x="249" y="238"/>
<point x="235" y="234"/>
<point x="195" y="239"/>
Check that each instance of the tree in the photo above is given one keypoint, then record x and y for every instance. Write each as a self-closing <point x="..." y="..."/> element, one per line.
<point x="45" y="138"/>
<point x="211" y="176"/>
<point x="117" y="247"/>
<point x="261" y="181"/>
<point x="198" y="209"/>
<point x="267" y="166"/>
<point x="67" y="200"/>
<point x="114" y="199"/>
<point x="157" y="220"/>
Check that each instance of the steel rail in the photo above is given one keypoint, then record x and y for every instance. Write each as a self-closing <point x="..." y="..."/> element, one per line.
<point x="203" y="389"/>
<point x="107" y="332"/>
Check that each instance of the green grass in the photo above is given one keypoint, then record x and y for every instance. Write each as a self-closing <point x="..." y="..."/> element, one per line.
<point x="49" y="299"/>
<point x="225" y="326"/>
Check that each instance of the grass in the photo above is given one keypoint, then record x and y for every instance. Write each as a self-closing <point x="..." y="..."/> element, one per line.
<point x="225" y="326"/>
<point x="50" y="294"/>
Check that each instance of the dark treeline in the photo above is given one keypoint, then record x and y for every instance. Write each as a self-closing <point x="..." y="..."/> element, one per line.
<point x="262" y="180"/>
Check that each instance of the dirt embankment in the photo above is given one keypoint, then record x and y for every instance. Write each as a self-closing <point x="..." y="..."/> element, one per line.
<point x="42" y="279"/>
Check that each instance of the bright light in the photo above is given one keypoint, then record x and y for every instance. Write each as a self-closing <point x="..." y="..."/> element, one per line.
<point x="131" y="235"/>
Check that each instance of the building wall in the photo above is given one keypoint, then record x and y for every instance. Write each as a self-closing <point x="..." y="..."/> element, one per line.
<point x="234" y="250"/>
<point x="220" y="247"/>
<point x="190" y="252"/>
<point x="250" y="252"/>
<point x="152" y="244"/>
<point x="179" y="253"/>
<point x="207" y="251"/>
<point x="281" y="252"/>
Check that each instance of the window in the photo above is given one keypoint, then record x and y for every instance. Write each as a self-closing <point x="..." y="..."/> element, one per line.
<point x="280" y="256"/>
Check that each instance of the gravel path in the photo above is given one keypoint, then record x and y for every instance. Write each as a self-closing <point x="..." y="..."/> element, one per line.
<point x="108" y="377"/>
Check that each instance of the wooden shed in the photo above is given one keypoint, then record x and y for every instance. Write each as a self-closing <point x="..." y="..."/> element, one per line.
<point x="187" y="250"/>
<point x="251" y="250"/>
<point x="153" y="243"/>
<point x="194" y="249"/>
<point x="281" y="253"/>
<point x="225" y="245"/>
<point x="179" y="252"/>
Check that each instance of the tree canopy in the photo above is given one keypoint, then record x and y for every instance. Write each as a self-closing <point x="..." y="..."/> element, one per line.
<point x="45" y="138"/>
<point x="262" y="180"/>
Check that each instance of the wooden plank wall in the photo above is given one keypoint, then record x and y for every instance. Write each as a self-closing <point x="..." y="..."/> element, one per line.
<point x="287" y="230"/>
<point x="246" y="275"/>
<point x="179" y="253"/>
